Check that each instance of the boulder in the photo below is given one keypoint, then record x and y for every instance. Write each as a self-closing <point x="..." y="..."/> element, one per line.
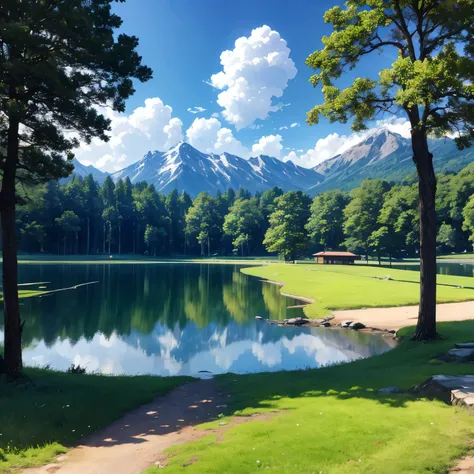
<point x="296" y="321"/>
<point x="325" y="324"/>
<point x="356" y="326"/>
<point x="346" y="324"/>
<point x="258" y="318"/>
<point x="462" y="353"/>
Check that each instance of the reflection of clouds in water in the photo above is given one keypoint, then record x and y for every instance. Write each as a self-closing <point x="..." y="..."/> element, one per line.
<point x="267" y="354"/>
<point x="186" y="351"/>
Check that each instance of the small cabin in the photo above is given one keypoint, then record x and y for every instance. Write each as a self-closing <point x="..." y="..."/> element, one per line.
<point x="336" y="258"/>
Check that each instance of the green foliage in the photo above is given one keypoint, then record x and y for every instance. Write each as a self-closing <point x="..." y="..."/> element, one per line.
<point x="325" y="225"/>
<point x="286" y="234"/>
<point x="242" y="223"/>
<point x="431" y="80"/>
<point x="360" y="215"/>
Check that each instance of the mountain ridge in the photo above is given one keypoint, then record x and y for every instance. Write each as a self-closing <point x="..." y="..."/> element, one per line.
<point x="384" y="154"/>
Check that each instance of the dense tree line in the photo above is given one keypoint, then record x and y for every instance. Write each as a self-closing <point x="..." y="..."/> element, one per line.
<point x="377" y="218"/>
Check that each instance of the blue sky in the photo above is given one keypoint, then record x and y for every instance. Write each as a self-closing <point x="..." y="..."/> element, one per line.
<point x="182" y="41"/>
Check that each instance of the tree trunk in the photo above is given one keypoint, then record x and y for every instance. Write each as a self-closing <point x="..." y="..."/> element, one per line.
<point x="104" y="239"/>
<point x="12" y="321"/>
<point x="88" y="235"/>
<point x="110" y="235"/>
<point x="120" y="237"/>
<point x="208" y="247"/>
<point x="426" y="327"/>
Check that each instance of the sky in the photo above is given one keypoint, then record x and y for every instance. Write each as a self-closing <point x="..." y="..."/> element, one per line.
<point x="229" y="77"/>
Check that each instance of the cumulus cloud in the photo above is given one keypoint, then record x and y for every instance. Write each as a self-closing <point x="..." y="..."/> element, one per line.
<point x="255" y="72"/>
<point x="196" y="110"/>
<point x="294" y="124"/>
<point x="268" y="145"/>
<point x="335" y="144"/>
<point x="208" y="136"/>
<point x="284" y="127"/>
<point x="150" y="127"/>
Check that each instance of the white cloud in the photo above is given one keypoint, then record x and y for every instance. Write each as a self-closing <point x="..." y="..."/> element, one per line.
<point x="268" y="145"/>
<point x="208" y="136"/>
<point x="150" y="127"/>
<point x="335" y="144"/>
<point x="254" y="72"/>
<point x="283" y="128"/>
<point x="196" y="110"/>
<point x="294" y="124"/>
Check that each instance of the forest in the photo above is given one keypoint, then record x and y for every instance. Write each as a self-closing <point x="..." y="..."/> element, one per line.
<point x="377" y="218"/>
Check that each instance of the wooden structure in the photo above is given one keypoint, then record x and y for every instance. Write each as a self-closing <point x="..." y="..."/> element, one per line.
<point x="336" y="258"/>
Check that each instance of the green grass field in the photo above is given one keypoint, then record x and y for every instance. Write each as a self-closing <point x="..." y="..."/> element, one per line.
<point x="337" y="287"/>
<point x="44" y="417"/>
<point x="458" y="256"/>
<point x="333" y="420"/>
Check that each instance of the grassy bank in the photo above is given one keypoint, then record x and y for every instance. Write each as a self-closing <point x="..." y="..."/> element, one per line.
<point x="44" y="417"/>
<point x="460" y="256"/>
<point x="333" y="420"/>
<point x="337" y="287"/>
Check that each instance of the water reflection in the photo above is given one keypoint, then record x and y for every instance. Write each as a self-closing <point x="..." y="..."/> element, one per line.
<point x="173" y="319"/>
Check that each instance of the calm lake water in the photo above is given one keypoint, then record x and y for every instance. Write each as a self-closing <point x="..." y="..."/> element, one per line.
<point x="170" y="319"/>
<point x="443" y="268"/>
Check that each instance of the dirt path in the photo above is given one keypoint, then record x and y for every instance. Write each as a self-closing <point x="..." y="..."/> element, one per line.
<point x="398" y="317"/>
<point x="137" y="440"/>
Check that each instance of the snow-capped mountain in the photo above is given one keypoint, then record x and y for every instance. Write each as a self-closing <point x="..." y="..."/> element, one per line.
<point x="385" y="155"/>
<point x="187" y="169"/>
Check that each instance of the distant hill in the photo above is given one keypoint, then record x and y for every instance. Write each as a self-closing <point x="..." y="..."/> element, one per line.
<point x="384" y="155"/>
<point x="83" y="170"/>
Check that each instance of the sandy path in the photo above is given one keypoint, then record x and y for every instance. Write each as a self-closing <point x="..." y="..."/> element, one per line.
<point x="136" y="441"/>
<point x="398" y="317"/>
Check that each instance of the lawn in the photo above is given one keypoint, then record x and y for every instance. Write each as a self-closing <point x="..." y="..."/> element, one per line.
<point x="333" y="420"/>
<point x="337" y="287"/>
<point x="44" y="417"/>
<point x="457" y="255"/>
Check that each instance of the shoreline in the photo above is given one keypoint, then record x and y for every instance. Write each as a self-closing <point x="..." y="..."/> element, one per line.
<point x="384" y="319"/>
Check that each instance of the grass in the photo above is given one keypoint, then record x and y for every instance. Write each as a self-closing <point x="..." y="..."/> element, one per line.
<point x="333" y="420"/>
<point x="41" y="419"/>
<point x="337" y="287"/>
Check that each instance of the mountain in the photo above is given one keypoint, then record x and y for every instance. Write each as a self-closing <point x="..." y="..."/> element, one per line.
<point x="385" y="155"/>
<point x="187" y="169"/>
<point x="83" y="170"/>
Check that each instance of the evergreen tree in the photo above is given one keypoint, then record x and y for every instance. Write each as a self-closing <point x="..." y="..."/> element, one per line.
<point x="431" y="81"/>
<point x="58" y="61"/>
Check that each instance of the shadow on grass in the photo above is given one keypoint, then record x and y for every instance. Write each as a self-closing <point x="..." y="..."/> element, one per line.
<point x="408" y="364"/>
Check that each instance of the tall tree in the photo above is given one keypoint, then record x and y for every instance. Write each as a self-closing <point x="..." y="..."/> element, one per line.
<point x="242" y="223"/>
<point x="363" y="210"/>
<point x="287" y="234"/>
<point x="431" y="81"/>
<point x="69" y="225"/>
<point x="58" y="62"/>
<point x="200" y="220"/>
<point x="325" y="226"/>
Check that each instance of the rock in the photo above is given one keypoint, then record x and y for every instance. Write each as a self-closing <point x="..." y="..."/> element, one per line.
<point x="346" y="324"/>
<point x="325" y="324"/>
<point x="390" y="390"/>
<point x="462" y="353"/>
<point x="296" y="321"/>
<point x="442" y="386"/>
<point x="392" y="331"/>
<point x="258" y="318"/>
<point x="356" y="326"/>
<point x="466" y="345"/>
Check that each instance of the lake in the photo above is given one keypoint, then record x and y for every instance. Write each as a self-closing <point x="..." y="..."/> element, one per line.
<point x="442" y="268"/>
<point x="172" y="319"/>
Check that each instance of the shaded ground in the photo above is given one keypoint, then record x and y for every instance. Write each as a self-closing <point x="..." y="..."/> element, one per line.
<point x="137" y="440"/>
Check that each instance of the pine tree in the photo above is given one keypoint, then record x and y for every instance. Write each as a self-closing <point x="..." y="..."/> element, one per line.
<point x="58" y="61"/>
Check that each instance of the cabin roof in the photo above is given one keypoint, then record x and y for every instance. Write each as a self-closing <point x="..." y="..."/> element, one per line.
<point x="334" y="254"/>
